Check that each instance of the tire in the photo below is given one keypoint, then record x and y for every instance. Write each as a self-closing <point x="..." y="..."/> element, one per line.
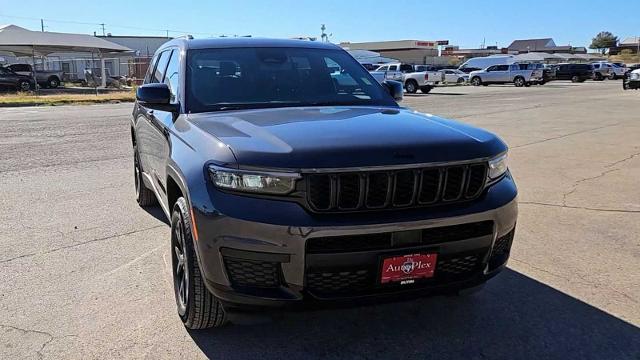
<point x="575" y="79"/>
<point x="612" y="76"/>
<point x="542" y="82"/>
<point x="519" y="81"/>
<point x="197" y="307"/>
<point x="144" y="196"/>
<point x="53" y="82"/>
<point x="426" y="89"/>
<point x="24" y="85"/>
<point x="476" y="81"/>
<point x="598" y="77"/>
<point x="411" y="86"/>
<point x="624" y="85"/>
<point x="460" y="81"/>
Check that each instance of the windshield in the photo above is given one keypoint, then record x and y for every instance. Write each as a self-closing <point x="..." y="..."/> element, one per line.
<point x="246" y="78"/>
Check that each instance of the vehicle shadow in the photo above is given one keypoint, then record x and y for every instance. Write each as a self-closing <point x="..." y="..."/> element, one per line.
<point x="157" y="213"/>
<point x="513" y="317"/>
<point x="433" y="93"/>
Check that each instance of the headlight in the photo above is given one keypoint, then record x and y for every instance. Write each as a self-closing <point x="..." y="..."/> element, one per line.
<point x="497" y="166"/>
<point x="255" y="182"/>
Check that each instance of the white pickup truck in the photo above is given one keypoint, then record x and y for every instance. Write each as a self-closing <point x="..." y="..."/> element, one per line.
<point x="504" y="74"/>
<point x="409" y="76"/>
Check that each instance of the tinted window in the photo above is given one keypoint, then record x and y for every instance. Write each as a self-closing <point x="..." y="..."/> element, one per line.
<point x="158" y="72"/>
<point x="383" y="68"/>
<point x="406" y="68"/>
<point x="20" y="67"/>
<point x="237" y="78"/>
<point x="393" y="68"/>
<point x="502" y="67"/>
<point x="172" y="77"/>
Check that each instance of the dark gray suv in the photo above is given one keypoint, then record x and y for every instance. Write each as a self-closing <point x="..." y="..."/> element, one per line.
<point x="291" y="177"/>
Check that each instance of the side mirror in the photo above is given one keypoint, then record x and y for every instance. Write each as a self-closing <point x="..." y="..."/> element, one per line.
<point x="156" y="96"/>
<point x="394" y="88"/>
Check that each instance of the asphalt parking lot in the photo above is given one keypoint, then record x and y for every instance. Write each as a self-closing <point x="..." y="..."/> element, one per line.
<point x="83" y="269"/>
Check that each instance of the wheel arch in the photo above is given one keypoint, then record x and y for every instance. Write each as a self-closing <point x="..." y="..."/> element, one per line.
<point x="176" y="187"/>
<point x="412" y="81"/>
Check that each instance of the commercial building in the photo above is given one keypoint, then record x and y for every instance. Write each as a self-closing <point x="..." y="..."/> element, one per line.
<point x="546" y="45"/>
<point x="408" y="51"/>
<point x="471" y="53"/>
<point x="631" y="43"/>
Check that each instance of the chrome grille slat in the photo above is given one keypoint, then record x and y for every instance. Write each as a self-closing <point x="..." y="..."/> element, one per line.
<point x="401" y="188"/>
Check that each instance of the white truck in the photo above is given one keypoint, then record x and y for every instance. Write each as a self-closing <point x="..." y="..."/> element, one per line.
<point x="504" y="74"/>
<point x="409" y="76"/>
<point x="481" y="63"/>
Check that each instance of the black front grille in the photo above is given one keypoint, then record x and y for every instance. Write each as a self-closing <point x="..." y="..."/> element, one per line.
<point x="501" y="250"/>
<point x="391" y="240"/>
<point x="363" y="280"/>
<point x="253" y="273"/>
<point x="339" y="282"/>
<point x="369" y="190"/>
<point x="457" y="266"/>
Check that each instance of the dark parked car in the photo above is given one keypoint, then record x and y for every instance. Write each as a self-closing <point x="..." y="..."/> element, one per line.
<point x="574" y="72"/>
<point x="11" y="80"/>
<point x="47" y="78"/>
<point x="291" y="177"/>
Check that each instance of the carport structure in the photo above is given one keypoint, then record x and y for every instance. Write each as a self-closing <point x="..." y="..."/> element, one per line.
<point x="22" y="42"/>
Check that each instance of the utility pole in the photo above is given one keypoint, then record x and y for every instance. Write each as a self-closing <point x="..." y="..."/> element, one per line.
<point x="167" y="33"/>
<point x="323" y="35"/>
<point x="103" y="34"/>
<point x="42" y="24"/>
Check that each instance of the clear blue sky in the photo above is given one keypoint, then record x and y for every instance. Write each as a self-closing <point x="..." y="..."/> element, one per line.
<point x="463" y="22"/>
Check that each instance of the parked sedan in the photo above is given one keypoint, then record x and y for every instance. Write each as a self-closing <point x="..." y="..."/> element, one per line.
<point x="455" y="76"/>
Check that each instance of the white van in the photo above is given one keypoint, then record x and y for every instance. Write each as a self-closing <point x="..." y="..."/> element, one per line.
<point x="481" y="63"/>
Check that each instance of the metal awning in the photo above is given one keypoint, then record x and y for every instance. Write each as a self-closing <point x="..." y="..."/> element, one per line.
<point x="23" y="42"/>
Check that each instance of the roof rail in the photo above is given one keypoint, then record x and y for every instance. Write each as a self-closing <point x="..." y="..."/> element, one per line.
<point x="188" y="37"/>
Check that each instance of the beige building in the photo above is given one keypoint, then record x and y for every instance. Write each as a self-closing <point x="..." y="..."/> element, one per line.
<point x="409" y="51"/>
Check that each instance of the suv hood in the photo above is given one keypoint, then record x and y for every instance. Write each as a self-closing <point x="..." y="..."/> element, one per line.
<point x="336" y="137"/>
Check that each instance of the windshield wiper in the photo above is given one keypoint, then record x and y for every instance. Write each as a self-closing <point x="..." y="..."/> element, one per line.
<point x="252" y="105"/>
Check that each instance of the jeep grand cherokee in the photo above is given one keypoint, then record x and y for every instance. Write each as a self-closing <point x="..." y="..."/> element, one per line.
<point x="290" y="176"/>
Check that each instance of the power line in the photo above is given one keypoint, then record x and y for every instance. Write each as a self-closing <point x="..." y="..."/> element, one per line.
<point x="103" y="25"/>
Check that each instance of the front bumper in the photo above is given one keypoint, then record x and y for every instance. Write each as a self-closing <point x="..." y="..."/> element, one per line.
<point x="632" y="84"/>
<point x="258" y="264"/>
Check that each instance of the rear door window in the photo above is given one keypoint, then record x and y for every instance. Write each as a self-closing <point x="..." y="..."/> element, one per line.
<point x="406" y="68"/>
